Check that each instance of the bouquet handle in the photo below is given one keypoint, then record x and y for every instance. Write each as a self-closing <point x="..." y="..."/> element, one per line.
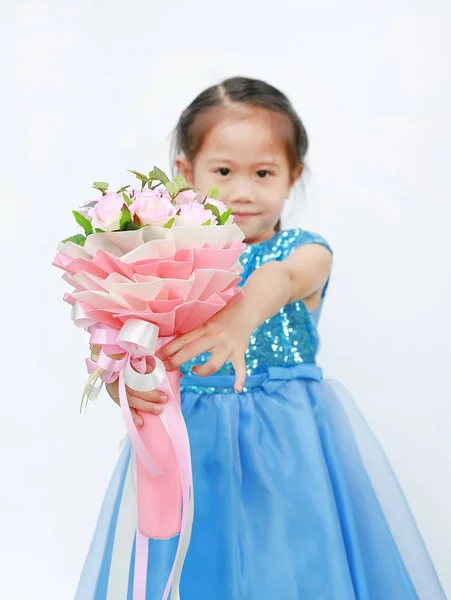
<point x="160" y="498"/>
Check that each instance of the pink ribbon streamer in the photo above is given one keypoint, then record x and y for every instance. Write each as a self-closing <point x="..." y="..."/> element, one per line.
<point x="107" y="337"/>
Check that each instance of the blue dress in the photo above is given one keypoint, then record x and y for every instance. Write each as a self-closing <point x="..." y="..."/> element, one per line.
<point x="295" y="499"/>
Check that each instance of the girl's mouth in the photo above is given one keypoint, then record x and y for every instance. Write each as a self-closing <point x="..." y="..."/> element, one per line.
<point x="244" y="215"/>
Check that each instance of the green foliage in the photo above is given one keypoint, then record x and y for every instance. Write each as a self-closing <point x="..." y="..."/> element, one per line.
<point x="214" y="210"/>
<point x="76" y="239"/>
<point x="84" y="223"/>
<point x="170" y="223"/>
<point x="213" y="192"/>
<point x="180" y="181"/>
<point x="125" y="219"/>
<point x="172" y="188"/>
<point x="102" y="186"/>
<point x="160" y="175"/>
<point x="225" y="217"/>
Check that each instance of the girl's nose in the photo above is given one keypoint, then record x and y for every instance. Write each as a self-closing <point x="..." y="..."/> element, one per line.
<point x="240" y="193"/>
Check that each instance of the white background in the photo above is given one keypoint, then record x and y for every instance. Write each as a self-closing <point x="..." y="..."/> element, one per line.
<point x="92" y="88"/>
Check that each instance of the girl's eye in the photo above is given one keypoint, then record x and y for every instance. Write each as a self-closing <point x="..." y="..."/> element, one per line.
<point x="263" y="173"/>
<point x="224" y="171"/>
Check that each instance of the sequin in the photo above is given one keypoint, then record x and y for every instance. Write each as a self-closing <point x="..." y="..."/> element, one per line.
<point x="288" y="338"/>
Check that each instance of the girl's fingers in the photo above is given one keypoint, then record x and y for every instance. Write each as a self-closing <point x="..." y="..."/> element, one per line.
<point x="112" y="389"/>
<point x="153" y="396"/>
<point x="213" y="365"/>
<point x="240" y="371"/>
<point x="191" y="350"/>
<point x="136" y="418"/>
<point x="179" y="342"/>
<point x="145" y="406"/>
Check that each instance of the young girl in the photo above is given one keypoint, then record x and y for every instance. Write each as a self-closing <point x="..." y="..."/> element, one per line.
<point x="294" y="499"/>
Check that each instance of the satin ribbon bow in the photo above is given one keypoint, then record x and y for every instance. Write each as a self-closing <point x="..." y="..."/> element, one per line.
<point x="137" y="340"/>
<point x="278" y="376"/>
<point x="275" y="377"/>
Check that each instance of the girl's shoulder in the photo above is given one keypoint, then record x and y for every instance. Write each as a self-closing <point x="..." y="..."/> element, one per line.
<point x="284" y="242"/>
<point x="278" y="247"/>
<point x="302" y="237"/>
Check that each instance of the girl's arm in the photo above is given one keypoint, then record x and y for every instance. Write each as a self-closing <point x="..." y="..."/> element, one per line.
<point x="302" y="275"/>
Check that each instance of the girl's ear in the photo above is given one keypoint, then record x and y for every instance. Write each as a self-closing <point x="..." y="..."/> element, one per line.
<point x="184" y="168"/>
<point x="296" y="174"/>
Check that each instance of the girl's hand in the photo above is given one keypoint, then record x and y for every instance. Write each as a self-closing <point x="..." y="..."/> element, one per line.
<point x="150" y="402"/>
<point x="302" y="275"/>
<point x="226" y="336"/>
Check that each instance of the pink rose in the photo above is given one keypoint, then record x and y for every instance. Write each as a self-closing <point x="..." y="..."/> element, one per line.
<point x="153" y="207"/>
<point x="196" y="214"/>
<point x="135" y="193"/>
<point x="185" y="197"/>
<point x="107" y="212"/>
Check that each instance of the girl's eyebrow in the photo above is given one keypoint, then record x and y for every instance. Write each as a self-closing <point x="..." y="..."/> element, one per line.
<point x="218" y="159"/>
<point x="267" y="163"/>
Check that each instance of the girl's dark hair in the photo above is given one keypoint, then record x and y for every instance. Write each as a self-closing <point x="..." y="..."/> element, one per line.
<point x="191" y="130"/>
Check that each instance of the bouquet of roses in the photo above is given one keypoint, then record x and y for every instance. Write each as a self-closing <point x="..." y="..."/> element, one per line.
<point x="153" y="262"/>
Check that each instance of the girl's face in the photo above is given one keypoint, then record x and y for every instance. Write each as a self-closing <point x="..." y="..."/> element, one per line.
<point x="246" y="157"/>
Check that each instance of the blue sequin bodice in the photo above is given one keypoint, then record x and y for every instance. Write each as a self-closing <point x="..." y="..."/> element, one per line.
<point x="288" y="338"/>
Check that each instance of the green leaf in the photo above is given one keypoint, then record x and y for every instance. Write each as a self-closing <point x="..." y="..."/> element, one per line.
<point x="122" y="190"/>
<point x="101" y="185"/>
<point x="160" y="175"/>
<point x="126" y="218"/>
<point x="170" y="223"/>
<point x="206" y="223"/>
<point x="99" y="230"/>
<point x="127" y="199"/>
<point x="213" y="192"/>
<point x="152" y="185"/>
<point x="76" y="239"/>
<point x="172" y="188"/>
<point x="83" y="222"/>
<point x="131" y="226"/>
<point x="140" y="176"/>
<point x="214" y="210"/>
<point x="225" y="217"/>
<point x="180" y="181"/>
<point x="152" y="175"/>
<point x="181" y="190"/>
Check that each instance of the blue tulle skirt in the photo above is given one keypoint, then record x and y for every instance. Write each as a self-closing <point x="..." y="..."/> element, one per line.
<point x="294" y="501"/>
